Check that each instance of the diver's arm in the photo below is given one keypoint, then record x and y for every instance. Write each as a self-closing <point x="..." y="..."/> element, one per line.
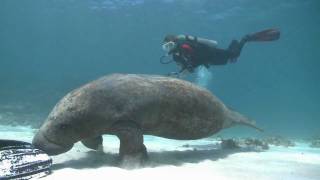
<point x="185" y="69"/>
<point x="185" y="63"/>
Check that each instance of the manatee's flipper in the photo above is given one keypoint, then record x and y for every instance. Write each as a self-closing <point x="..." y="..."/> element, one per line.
<point x="20" y="160"/>
<point x="93" y="143"/>
<point x="235" y="118"/>
<point x="132" y="150"/>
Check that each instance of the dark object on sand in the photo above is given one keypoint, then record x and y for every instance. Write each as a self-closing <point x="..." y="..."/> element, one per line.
<point x="279" y="141"/>
<point x="20" y="160"/>
<point x="247" y="143"/>
<point x="229" y="144"/>
<point x="251" y="142"/>
<point x="129" y="106"/>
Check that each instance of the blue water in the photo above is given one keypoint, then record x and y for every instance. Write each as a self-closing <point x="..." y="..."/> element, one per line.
<point x="49" y="47"/>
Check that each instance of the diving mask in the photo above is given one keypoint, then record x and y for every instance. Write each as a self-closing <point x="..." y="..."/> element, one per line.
<point x="169" y="46"/>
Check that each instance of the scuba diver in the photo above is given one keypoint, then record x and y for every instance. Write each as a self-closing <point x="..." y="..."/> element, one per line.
<point x="189" y="52"/>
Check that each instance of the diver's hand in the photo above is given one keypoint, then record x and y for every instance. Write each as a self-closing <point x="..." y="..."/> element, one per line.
<point x="190" y="68"/>
<point x="173" y="74"/>
<point x="180" y="74"/>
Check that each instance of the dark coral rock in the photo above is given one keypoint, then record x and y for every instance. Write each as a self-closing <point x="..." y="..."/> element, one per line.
<point x="186" y="145"/>
<point x="229" y="144"/>
<point x="279" y="141"/>
<point x="256" y="143"/>
<point x="251" y="144"/>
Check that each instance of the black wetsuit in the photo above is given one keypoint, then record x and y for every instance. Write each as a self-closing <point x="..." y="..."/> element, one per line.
<point x="204" y="54"/>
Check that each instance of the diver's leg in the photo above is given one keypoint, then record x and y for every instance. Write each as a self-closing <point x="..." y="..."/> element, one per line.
<point x="93" y="143"/>
<point x="132" y="150"/>
<point x="235" y="48"/>
<point x="231" y="54"/>
<point x="218" y="57"/>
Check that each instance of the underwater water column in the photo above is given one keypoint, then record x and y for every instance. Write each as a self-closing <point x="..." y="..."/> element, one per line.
<point x="203" y="76"/>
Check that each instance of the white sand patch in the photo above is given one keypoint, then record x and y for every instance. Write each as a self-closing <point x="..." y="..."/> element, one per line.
<point x="202" y="159"/>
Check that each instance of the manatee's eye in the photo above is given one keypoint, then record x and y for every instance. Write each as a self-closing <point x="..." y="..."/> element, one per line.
<point x="64" y="126"/>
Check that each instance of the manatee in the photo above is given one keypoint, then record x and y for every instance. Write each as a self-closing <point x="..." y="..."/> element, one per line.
<point x="130" y="106"/>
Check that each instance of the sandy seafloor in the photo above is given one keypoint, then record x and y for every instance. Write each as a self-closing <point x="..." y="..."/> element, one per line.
<point x="168" y="159"/>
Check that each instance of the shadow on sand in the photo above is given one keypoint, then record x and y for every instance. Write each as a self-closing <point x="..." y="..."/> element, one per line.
<point x="94" y="159"/>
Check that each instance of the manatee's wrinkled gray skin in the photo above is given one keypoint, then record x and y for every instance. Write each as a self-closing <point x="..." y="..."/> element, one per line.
<point x="129" y="106"/>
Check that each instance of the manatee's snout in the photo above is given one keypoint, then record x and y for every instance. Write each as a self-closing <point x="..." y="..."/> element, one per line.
<point x="51" y="148"/>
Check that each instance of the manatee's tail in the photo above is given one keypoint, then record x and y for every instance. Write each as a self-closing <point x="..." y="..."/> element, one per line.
<point x="235" y="118"/>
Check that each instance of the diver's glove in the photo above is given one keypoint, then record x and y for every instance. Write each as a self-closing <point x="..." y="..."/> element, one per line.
<point x="190" y="68"/>
<point x="174" y="74"/>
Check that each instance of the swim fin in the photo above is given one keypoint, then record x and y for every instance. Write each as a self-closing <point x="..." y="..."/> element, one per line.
<point x="265" y="35"/>
<point x="21" y="160"/>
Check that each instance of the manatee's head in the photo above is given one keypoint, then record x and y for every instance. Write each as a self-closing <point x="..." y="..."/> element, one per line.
<point x="59" y="132"/>
<point x="55" y="137"/>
